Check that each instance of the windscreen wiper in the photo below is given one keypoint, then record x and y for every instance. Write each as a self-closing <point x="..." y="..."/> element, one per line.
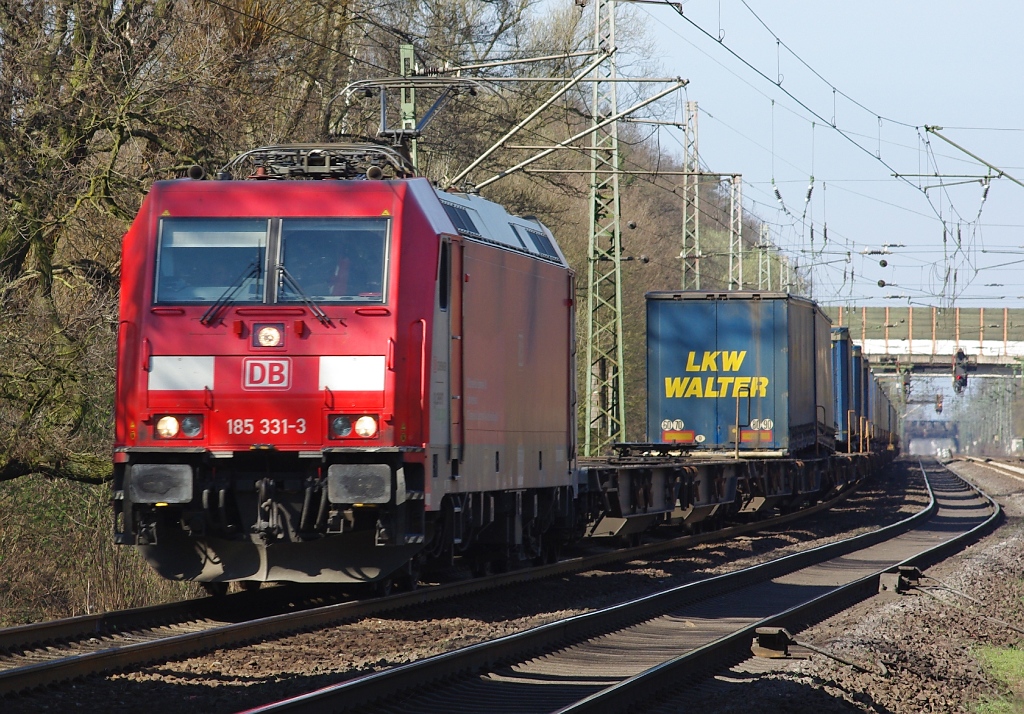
<point x="306" y="299"/>
<point x="228" y="296"/>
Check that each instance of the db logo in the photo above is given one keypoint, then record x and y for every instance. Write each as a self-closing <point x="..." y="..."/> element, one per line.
<point x="266" y="373"/>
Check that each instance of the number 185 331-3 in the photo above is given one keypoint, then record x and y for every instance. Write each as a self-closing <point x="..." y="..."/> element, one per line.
<point x="266" y="427"/>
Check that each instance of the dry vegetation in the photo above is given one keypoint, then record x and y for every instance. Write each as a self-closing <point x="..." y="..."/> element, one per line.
<point x="99" y="98"/>
<point x="58" y="559"/>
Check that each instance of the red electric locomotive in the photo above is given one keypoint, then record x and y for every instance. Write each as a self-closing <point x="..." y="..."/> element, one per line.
<point x="331" y="380"/>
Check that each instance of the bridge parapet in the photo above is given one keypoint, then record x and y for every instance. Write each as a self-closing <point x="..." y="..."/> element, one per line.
<point x="927" y="337"/>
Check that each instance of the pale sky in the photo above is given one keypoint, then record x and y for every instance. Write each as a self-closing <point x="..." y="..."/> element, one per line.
<point x="904" y="65"/>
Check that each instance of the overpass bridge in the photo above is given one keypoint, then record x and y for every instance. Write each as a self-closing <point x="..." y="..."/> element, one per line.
<point x="924" y="339"/>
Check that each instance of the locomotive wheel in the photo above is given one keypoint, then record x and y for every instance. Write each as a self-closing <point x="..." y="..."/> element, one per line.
<point x="215" y="589"/>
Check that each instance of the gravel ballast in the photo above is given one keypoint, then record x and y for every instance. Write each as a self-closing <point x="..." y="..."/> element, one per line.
<point x="229" y="680"/>
<point x="921" y="648"/>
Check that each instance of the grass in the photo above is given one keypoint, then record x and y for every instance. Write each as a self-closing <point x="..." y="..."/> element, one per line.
<point x="1006" y="667"/>
<point x="58" y="559"/>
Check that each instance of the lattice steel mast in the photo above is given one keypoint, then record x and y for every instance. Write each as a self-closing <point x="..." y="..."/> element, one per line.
<point x="691" y="202"/>
<point x="764" y="259"/>
<point x="606" y="423"/>
<point x="736" y="233"/>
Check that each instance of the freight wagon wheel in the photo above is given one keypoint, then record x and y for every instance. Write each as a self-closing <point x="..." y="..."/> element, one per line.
<point x="215" y="589"/>
<point x="549" y="553"/>
<point x="409" y="578"/>
<point x="383" y="587"/>
<point x="481" y="566"/>
<point x="633" y="540"/>
<point x="501" y="561"/>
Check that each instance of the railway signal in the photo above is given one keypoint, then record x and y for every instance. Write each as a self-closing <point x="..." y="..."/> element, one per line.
<point x="959" y="372"/>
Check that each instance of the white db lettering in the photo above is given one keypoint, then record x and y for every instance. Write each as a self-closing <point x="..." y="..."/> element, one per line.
<point x="266" y="373"/>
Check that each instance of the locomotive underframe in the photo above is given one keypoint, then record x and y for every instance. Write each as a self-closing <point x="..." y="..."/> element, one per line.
<point x="270" y="515"/>
<point x="277" y="516"/>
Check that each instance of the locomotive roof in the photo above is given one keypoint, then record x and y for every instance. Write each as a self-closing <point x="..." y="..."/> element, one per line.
<point x="472" y="216"/>
<point x="480" y="219"/>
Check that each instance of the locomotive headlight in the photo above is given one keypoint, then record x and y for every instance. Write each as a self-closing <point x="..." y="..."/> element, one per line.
<point x="340" y="426"/>
<point x="268" y="336"/>
<point x="191" y="426"/>
<point x="167" y="427"/>
<point x="366" y="426"/>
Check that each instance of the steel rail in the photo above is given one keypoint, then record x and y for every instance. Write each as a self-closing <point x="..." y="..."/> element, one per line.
<point x="735" y="648"/>
<point x="118" y="657"/>
<point x="420" y="676"/>
<point x="25" y="637"/>
<point x="1005" y="469"/>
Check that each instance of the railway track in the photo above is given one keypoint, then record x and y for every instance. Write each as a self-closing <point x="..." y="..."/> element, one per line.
<point x="51" y="652"/>
<point x="629" y="655"/>
<point x="1014" y="470"/>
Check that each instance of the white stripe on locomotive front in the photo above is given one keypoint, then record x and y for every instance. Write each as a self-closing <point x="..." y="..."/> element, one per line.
<point x="178" y="374"/>
<point x="353" y="373"/>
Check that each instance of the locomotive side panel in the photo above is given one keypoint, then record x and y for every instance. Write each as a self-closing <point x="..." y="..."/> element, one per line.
<point x="134" y="247"/>
<point x="516" y="371"/>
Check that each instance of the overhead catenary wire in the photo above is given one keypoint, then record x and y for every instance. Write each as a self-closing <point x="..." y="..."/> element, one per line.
<point x="973" y="230"/>
<point x="802" y="104"/>
<point x="807" y="208"/>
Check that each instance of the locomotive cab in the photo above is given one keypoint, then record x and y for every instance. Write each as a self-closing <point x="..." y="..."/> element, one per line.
<point x="294" y="369"/>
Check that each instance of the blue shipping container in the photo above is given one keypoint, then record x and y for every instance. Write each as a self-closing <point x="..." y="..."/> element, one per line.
<point x="857" y="379"/>
<point x="754" y="362"/>
<point x="866" y="380"/>
<point x="842" y="383"/>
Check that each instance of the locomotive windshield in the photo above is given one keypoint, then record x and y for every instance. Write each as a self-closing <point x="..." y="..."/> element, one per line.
<point x="333" y="259"/>
<point x="201" y="260"/>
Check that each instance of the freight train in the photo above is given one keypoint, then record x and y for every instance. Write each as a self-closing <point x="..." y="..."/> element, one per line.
<point x="330" y="371"/>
